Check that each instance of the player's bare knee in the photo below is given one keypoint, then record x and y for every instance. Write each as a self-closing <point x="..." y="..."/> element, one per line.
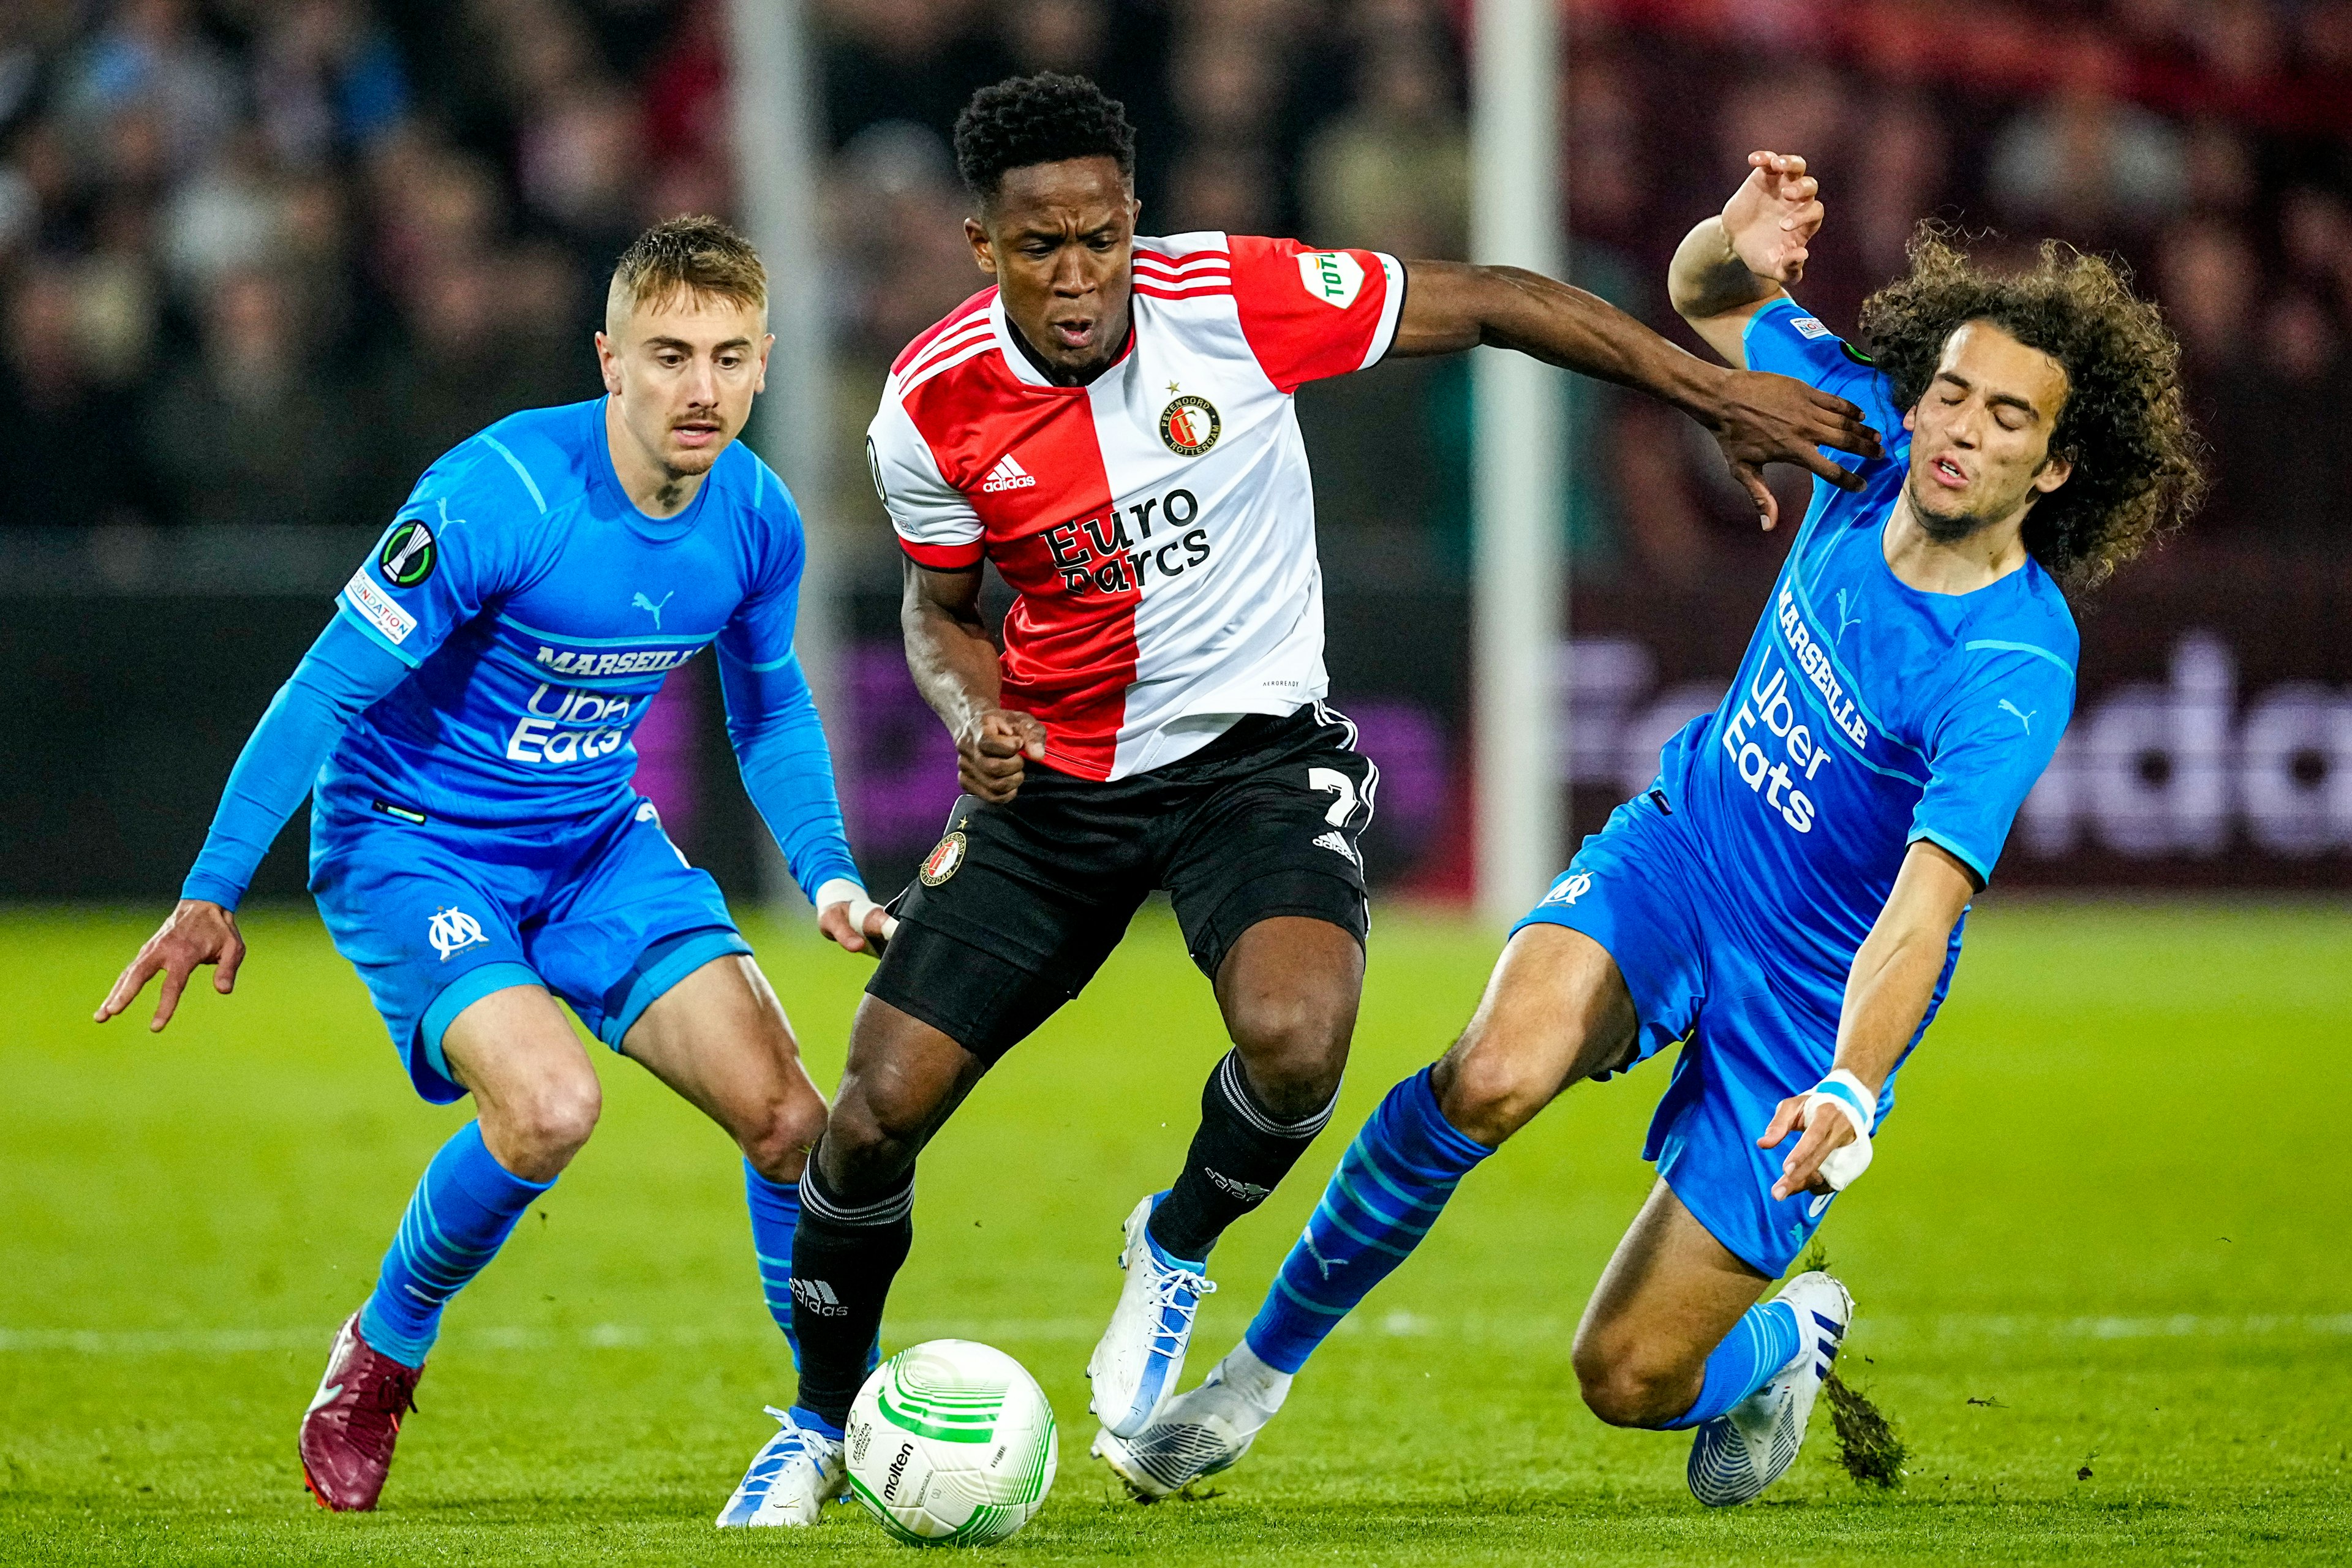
<point x="778" y="1139"/>
<point x="1295" y="1049"/>
<point x="869" y="1143"/>
<point x="1487" y="1091"/>
<point x="1624" y="1388"/>
<point x="536" y="1131"/>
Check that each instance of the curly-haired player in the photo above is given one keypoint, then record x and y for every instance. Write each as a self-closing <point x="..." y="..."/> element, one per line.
<point x="1787" y="897"/>
<point x="1110" y="424"/>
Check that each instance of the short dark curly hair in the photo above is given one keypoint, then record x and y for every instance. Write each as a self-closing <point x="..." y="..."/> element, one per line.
<point x="1040" y="118"/>
<point x="2139" y="465"/>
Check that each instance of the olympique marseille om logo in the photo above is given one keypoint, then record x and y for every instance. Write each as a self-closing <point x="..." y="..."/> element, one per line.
<point x="1570" y="890"/>
<point x="453" y="930"/>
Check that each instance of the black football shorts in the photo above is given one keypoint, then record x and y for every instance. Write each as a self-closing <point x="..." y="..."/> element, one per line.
<point x="1019" y="904"/>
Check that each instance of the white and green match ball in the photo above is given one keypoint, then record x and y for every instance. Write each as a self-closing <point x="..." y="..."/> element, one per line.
<point x="951" y="1444"/>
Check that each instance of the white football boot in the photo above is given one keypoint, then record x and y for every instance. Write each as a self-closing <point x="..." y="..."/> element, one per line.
<point x="792" y="1476"/>
<point x="1750" y="1446"/>
<point x="1198" y="1433"/>
<point x="1140" y="1357"/>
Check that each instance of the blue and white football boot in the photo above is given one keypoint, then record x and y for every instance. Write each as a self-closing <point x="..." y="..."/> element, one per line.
<point x="1199" y="1434"/>
<point x="792" y="1476"/>
<point x="1140" y="1357"/>
<point x="1747" y="1447"/>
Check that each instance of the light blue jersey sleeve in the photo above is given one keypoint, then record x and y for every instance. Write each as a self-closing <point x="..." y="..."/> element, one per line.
<point x="1783" y="340"/>
<point x="429" y="574"/>
<point x="772" y="717"/>
<point x="459" y="541"/>
<point x="344" y="675"/>
<point x="1995" y="737"/>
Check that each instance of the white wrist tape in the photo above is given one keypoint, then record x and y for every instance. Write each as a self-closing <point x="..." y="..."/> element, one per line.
<point x="1853" y="1099"/>
<point x="841" y="889"/>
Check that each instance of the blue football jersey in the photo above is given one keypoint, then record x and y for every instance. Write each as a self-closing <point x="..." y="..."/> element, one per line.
<point x="1867" y="714"/>
<point x="540" y="611"/>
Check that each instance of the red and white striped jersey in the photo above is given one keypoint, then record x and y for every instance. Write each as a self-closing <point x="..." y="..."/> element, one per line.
<point x="1157" y="524"/>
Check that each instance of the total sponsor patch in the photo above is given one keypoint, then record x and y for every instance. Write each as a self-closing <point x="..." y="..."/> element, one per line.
<point x="1334" y="276"/>
<point x="376" y="607"/>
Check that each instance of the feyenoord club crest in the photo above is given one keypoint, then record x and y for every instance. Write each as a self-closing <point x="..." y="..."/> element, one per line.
<point x="1189" y="425"/>
<point x="942" y="861"/>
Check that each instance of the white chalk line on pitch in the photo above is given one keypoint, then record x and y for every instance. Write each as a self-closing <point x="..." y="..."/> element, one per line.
<point x="1402" y="1325"/>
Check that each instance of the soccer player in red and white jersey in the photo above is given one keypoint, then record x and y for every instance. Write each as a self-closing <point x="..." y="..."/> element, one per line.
<point x="1110" y="424"/>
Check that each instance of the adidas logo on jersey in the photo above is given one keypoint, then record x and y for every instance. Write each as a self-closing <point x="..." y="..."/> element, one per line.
<point x="1008" y="475"/>
<point x="1337" y="845"/>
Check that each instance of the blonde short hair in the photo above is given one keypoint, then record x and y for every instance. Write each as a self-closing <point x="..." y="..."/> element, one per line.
<point x="697" y="254"/>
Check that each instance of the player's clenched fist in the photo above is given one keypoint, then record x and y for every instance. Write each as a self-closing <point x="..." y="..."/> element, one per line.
<point x="992" y="750"/>
<point x="198" y="933"/>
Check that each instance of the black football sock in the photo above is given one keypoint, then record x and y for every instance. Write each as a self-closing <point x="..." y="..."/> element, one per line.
<point x="1237" y="1158"/>
<point x="844" y="1258"/>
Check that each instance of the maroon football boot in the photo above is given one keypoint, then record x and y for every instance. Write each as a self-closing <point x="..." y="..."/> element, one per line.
<point x="353" y="1421"/>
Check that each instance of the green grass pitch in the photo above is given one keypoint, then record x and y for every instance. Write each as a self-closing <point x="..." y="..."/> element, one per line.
<point x="2101" y="1261"/>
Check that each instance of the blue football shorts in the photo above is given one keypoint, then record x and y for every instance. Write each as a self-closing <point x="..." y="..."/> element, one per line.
<point x="1756" y="1027"/>
<point x="603" y="912"/>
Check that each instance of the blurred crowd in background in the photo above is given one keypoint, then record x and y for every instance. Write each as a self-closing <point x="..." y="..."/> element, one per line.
<point x="262" y="259"/>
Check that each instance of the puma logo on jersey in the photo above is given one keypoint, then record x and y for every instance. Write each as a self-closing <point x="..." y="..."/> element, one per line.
<point x="2022" y="717"/>
<point x="1008" y="475"/>
<point x="1844" y="620"/>
<point x="649" y="608"/>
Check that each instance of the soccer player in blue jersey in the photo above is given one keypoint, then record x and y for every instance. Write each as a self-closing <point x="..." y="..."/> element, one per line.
<point x="477" y="850"/>
<point x="1787" y="897"/>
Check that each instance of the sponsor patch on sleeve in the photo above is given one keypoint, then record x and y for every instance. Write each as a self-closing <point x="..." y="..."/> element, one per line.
<point x="1810" y="326"/>
<point x="1334" y="276"/>
<point x="376" y="607"/>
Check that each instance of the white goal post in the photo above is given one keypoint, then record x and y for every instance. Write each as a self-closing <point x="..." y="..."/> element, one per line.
<point x="1518" y="576"/>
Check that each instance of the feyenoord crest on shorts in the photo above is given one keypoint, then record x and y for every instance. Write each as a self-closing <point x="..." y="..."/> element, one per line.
<point x="942" y="862"/>
<point x="1157" y="523"/>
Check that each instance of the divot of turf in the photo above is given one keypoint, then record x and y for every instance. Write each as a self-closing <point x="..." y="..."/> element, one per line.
<point x="1867" y="1445"/>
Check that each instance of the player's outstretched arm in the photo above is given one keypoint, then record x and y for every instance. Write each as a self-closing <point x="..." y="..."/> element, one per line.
<point x="198" y="933"/>
<point x="1887" y="995"/>
<point x="1451" y="305"/>
<point x="953" y="659"/>
<point x="1737" y="262"/>
<point x="339" y="678"/>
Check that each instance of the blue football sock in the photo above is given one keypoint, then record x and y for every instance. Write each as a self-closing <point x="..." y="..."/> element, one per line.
<point x="1758" y="1346"/>
<point x="463" y="1211"/>
<point x="816" y="1421"/>
<point x="775" y="1213"/>
<point x="1386" y="1193"/>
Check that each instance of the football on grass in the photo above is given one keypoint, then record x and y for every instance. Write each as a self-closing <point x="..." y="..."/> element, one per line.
<point x="951" y="1444"/>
